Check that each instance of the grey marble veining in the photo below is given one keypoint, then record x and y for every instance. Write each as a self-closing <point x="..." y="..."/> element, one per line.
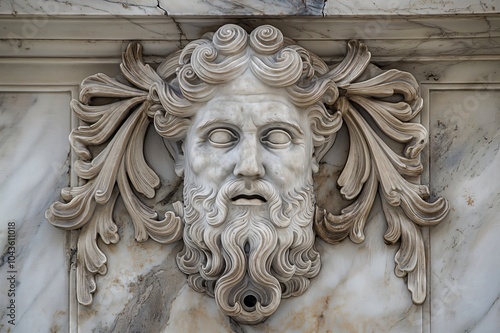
<point x="410" y="7"/>
<point x="319" y="8"/>
<point x="245" y="8"/>
<point x="455" y="59"/>
<point x="81" y="7"/>
<point x="33" y="169"/>
<point x="465" y="159"/>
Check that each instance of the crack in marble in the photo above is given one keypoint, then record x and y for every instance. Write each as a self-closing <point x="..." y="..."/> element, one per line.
<point x="177" y="24"/>
<point x="165" y="12"/>
<point x="488" y="23"/>
<point x="181" y="33"/>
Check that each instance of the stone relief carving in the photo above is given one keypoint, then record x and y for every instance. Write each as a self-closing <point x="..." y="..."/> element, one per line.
<point x="247" y="118"/>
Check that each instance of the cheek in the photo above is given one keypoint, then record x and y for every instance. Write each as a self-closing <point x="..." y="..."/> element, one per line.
<point x="208" y="165"/>
<point x="198" y="162"/>
<point x="287" y="168"/>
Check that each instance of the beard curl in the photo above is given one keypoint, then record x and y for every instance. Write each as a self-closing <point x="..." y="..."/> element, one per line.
<point x="250" y="257"/>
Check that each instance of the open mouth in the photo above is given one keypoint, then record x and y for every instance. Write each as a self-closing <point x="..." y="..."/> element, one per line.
<point x="248" y="200"/>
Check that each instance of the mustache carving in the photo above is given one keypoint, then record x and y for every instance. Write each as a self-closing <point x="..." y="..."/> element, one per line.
<point x="235" y="189"/>
<point x="248" y="256"/>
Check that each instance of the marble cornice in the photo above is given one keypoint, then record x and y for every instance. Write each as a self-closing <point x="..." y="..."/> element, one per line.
<point x="415" y="38"/>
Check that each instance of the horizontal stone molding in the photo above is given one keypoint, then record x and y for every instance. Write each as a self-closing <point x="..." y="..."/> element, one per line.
<point x="387" y="36"/>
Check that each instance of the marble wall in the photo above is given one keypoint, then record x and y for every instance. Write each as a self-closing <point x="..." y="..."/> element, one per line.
<point x="465" y="271"/>
<point x="456" y="59"/>
<point x="33" y="168"/>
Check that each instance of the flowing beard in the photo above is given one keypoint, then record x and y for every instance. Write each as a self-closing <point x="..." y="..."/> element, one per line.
<point x="249" y="257"/>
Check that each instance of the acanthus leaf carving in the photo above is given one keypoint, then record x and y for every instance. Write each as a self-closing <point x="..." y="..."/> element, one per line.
<point x="403" y="201"/>
<point x="120" y="127"/>
<point x="90" y="259"/>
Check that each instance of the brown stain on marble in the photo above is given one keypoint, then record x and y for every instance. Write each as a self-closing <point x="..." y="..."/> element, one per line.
<point x="312" y="314"/>
<point x="470" y="200"/>
<point x="86" y="311"/>
<point x="327" y="317"/>
<point x="327" y="192"/>
<point x="205" y="317"/>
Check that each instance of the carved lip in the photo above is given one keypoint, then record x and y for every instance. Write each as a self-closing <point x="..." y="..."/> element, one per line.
<point x="248" y="200"/>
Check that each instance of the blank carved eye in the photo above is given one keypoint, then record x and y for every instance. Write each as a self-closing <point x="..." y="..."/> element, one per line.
<point x="277" y="139"/>
<point x="222" y="138"/>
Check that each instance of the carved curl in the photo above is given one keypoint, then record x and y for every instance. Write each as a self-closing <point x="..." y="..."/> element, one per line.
<point x="221" y="57"/>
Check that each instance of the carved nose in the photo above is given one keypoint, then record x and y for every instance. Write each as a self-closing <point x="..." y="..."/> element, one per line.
<point x="250" y="160"/>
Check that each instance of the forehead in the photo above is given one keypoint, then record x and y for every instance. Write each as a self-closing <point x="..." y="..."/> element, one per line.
<point x="250" y="109"/>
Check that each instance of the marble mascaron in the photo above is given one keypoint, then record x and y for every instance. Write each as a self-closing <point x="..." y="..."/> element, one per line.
<point x="247" y="119"/>
<point x="48" y="47"/>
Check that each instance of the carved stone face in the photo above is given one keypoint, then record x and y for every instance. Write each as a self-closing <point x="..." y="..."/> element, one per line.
<point x="249" y="200"/>
<point x="250" y="131"/>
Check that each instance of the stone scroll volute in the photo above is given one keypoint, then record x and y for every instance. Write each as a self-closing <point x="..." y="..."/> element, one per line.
<point x="247" y="118"/>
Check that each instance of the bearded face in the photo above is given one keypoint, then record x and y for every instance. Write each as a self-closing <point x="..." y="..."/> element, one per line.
<point x="249" y="201"/>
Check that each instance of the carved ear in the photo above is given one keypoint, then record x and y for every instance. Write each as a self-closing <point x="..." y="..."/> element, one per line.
<point x="175" y="148"/>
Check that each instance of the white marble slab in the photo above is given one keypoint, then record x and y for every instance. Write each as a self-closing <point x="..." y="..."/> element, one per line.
<point x="465" y="279"/>
<point x="410" y="7"/>
<point x="80" y="7"/>
<point x="244" y="8"/>
<point x="33" y="168"/>
<point x="318" y="8"/>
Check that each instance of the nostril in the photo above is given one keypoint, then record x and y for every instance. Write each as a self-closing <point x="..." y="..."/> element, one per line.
<point x="250" y="301"/>
<point x="250" y="164"/>
<point x="249" y="169"/>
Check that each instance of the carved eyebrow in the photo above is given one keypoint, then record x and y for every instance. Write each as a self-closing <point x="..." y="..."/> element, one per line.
<point x="279" y="120"/>
<point x="266" y="121"/>
<point x="206" y="124"/>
